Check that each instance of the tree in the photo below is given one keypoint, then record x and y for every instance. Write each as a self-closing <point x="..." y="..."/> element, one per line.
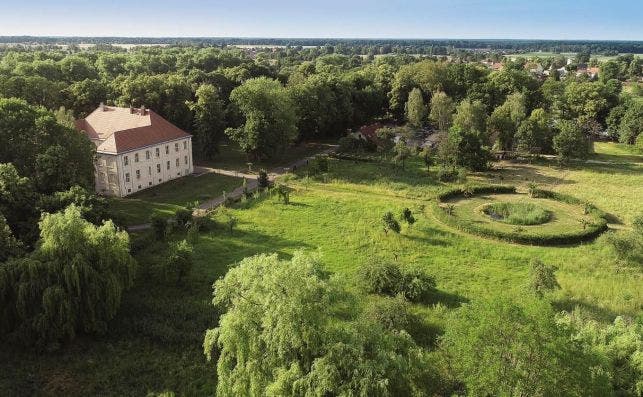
<point x="159" y="226"/>
<point x="470" y="116"/>
<point x="402" y="151"/>
<point x="464" y="149"/>
<point x="427" y="157"/>
<point x="570" y="142"/>
<point x="9" y="246"/>
<point x="507" y="346"/>
<point x="415" y="108"/>
<point x="631" y="125"/>
<point x="269" y="118"/>
<point x="262" y="180"/>
<point x="209" y="121"/>
<point x="18" y="204"/>
<point x="407" y="216"/>
<point x="84" y="96"/>
<point x="73" y="282"/>
<point x="505" y="119"/>
<point x="179" y="262"/>
<point x="387" y="278"/>
<point x="541" y="277"/>
<point x="55" y="157"/>
<point x="390" y="223"/>
<point x="442" y="108"/>
<point x="534" y="135"/>
<point x="278" y="335"/>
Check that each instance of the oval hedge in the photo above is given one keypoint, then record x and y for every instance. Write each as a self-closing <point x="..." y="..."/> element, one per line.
<point x="591" y="230"/>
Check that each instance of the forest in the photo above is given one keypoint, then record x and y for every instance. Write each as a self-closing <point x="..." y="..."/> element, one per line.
<point x="378" y="269"/>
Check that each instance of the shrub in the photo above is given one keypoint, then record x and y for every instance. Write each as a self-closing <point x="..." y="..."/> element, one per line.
<point x="179" y="262"/>
<point x="541" y="277"/>
<point x="390" y="312"/>
<point x="182" y="217"/>
<point x="262" y="179"/>
<point x="159" y="226"/>
<point x="407" y="216"/>
<point x="447" y="174"/>
<point x="390" y="223"/>
<point x="319" y="165"/>
<point x="386" y="278"/>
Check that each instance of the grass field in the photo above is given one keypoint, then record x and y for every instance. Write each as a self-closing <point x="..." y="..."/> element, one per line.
<point x="544" y="54"/>
<point x="154" y="344"/>
<point x="165" y="199"/>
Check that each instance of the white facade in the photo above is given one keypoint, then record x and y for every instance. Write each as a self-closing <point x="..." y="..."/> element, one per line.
<point x="126" y="173"/>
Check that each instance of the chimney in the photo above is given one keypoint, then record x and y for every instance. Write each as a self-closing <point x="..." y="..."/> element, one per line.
<point x="131" y="109"/>
<point x="142" y="110"/>
<point x="101" y="107"/>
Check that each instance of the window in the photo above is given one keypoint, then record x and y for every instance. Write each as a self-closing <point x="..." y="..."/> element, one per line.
<point x="158" y="152"/>
<point x="125" y="160"/>
<point x="177" y="162"/>
<point x="186" y="160"/>
<point x="149" y="183"/>
<point x="167" y="149"/>
<point x="149" y="170"/>
<point x="158" y="168"/>
<point x="127" y="177"/>
<point x="111" y="178"/>
<point x="185" y="144"/>
<point x="147" y="155"/>
<point x="176" y="146"/>
<point x="168" y="165"/>
<point x="136" y="157"/>
<point x="138" y="174"/>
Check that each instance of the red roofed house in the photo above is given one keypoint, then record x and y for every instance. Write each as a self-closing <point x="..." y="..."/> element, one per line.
<point x="136" y="149"/>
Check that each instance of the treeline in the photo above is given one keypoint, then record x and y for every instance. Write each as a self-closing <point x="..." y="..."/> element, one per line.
<point x="421" y="46"/>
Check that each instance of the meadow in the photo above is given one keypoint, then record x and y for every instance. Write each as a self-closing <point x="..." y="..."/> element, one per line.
<point x="154" y="344"/>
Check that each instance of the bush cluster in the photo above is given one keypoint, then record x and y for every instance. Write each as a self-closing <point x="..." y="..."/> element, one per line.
<point x="386" y="278"/>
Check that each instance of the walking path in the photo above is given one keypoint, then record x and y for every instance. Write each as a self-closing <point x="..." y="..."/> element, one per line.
<point x="251" y="180"/>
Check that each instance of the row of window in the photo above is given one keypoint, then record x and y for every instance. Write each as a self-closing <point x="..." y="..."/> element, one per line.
<point x="158" y="168"/>
<point x="157" y="152"/>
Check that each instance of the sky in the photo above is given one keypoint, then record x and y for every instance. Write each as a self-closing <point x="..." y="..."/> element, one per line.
<point x="421" y="19"/>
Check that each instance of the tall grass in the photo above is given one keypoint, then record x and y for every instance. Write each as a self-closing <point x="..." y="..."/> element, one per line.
<point x="517" y="213"/>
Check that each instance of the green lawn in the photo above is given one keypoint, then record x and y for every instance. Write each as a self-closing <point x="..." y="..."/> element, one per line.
<point x="165" y="199"/>
<point x="154" y="344"/>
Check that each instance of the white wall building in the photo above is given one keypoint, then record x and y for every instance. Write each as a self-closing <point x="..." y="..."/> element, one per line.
<point x="135" y="149"/>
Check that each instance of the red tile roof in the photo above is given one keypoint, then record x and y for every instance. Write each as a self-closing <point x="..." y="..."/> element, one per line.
<point x="117" y="130"/>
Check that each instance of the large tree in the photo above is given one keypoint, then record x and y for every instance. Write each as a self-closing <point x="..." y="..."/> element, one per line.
<point x="279" y="334"/>
<point x="535" y="133"/>
<point x="570" y="142"/>
<point x="415" y="108"/>
<point x="54" y="156"/>
<point x="209" y="121"/>
<point x="72" y="283"/>
<point x="269" y="124"/>
<point x="504" y="346"/>
<point x="504" y="121"/>
<point x="442" y="108"/>
<point x="470" y="116"/>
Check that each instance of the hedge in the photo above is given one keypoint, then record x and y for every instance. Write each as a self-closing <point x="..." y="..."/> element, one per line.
<point x="590" y="232"/>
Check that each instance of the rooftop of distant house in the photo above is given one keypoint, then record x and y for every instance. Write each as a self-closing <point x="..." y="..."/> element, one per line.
<point x="119" y="129"/>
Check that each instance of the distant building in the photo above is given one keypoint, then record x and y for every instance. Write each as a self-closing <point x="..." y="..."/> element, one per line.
<point x="135" y="149"/>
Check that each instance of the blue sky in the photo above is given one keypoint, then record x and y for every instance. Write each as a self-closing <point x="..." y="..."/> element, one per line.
<point x="538" y="19"/>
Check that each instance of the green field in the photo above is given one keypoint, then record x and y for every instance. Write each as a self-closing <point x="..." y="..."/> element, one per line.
<point x="154" y="344"/>
<point x="545" y="54"/>
<point x="165" y="199"/>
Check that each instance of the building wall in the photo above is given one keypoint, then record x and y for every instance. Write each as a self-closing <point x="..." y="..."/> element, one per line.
<point x="127" y="173"/>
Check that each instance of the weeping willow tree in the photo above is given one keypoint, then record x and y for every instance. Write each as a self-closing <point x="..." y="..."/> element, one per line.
<point x="73" y="281"/>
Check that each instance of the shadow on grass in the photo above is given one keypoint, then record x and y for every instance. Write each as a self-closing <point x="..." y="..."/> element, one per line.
<point x="423" y="333"/>
<point x="512" y="173"/>
<point x="594" y="311"/>
<point x="445" y="298"/>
